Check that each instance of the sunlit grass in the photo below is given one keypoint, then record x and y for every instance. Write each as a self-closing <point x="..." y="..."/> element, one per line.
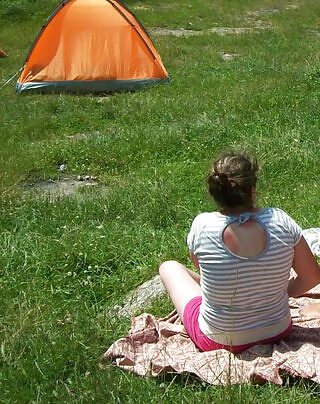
<point x="66" y="261"/>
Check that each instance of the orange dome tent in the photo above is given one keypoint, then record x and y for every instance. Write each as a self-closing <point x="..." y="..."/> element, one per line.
<point x="91" y="46"/>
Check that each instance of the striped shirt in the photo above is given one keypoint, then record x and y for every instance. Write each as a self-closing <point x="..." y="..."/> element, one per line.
<point x="243" y="298"/>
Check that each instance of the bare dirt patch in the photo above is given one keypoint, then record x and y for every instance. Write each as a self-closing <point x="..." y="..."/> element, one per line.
<point x="273" y="10"/>
<point x="61" y="187"/>
<point x="174" y="32"/>
<point x="181" y="32"/>
<point x="256" y="25"/>
<point x="232" y="30"/>
<point x="264" y="12"/>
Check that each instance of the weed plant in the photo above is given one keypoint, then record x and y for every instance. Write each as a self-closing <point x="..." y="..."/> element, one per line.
<point x="67" y="260"/>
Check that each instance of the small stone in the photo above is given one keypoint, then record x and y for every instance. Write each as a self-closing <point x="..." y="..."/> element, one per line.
<point x="228" y="56"/>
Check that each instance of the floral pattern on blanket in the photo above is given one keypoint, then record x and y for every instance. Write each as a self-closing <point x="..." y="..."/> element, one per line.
<point x="155" y="346"/>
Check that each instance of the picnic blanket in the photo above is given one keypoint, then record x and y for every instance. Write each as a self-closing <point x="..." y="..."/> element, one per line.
<point x="156" y="346"/>
<point x="312" y="237"/>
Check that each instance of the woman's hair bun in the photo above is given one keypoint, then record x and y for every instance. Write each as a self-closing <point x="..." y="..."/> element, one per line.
<point x="231" y="179"/>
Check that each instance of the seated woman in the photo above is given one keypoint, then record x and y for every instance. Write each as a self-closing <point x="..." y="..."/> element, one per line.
<point x="244" y="254"/>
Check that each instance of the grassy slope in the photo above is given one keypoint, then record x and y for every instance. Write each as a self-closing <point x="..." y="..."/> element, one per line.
<point x="65" y="262"/>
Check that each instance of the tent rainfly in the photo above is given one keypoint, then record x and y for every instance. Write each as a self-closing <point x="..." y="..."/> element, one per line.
<point x="91" y="46"/>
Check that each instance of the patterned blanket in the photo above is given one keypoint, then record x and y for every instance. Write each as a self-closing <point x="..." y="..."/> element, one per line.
<point x="156" y="346"/>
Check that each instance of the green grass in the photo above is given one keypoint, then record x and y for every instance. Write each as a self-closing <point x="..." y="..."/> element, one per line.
<point x="66" y="261"/>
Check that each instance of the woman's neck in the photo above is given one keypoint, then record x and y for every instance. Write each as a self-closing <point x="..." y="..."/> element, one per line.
<point x="238" y="210"/>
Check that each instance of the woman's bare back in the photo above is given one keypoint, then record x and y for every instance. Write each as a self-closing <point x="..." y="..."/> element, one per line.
<point x="246" y="240"/>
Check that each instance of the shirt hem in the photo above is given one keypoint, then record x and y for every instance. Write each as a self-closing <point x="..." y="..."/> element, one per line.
<point x="244" y="336"/>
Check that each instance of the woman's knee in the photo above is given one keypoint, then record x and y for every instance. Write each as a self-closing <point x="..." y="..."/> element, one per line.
<point x="169" y="265"/>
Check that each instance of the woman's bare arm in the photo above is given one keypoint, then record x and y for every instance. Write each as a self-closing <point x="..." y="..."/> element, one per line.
<point x="194" y="260"/>
<point x="306" y="268"/>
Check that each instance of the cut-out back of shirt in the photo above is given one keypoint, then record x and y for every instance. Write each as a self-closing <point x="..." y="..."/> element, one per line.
<point x="245" y="238"/>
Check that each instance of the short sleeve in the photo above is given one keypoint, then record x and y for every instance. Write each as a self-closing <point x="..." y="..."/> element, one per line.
<point x="294" y="229"/>
<point x="195" y="230"/>
<point x="191" y="238"/>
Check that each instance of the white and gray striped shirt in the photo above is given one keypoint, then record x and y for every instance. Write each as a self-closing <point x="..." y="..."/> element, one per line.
<point x="242" y="295"/>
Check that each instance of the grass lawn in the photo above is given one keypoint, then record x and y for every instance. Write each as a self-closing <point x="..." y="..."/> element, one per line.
<point x="243" y="74"/>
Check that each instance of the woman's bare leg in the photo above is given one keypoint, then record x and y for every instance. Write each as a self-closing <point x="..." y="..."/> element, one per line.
<point x="181" y="283"/>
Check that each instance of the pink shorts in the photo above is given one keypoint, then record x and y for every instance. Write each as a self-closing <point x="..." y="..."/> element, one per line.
<point x="204" y="343"/>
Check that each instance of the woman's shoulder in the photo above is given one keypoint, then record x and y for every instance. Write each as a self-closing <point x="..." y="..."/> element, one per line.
<point x="278" y="218"/>
<point x="206" y="216"/>
<point x="207" y="219"/>
<point x="272" y="212"/>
